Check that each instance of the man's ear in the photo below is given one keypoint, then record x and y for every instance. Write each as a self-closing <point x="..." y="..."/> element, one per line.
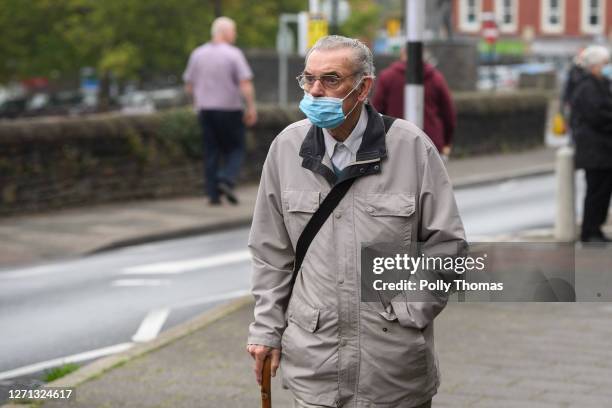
<point x="366" y="87"/>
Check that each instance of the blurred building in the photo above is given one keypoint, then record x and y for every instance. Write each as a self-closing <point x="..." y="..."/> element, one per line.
<point x="555" y="28"/>
<point x="437" y="17"/>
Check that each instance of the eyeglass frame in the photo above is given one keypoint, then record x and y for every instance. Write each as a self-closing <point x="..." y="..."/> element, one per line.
<point x="319" y="77"/>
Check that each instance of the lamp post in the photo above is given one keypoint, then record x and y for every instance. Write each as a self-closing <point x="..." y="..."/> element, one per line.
<point x="413" y="90"/>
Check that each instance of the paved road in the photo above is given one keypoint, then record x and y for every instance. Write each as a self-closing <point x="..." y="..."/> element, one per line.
<point x="511" y="206"/>
<point x="85" y="308"/>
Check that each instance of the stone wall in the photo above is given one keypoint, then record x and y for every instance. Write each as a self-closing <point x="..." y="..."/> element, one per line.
<point x="61" y="162"/>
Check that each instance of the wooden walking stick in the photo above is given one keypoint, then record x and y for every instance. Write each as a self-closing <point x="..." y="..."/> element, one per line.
<point x="266" y="389"/>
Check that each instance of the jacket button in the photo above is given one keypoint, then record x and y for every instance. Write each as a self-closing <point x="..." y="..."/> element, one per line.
<point x="338" y="215"/>
<point x="385" y="329"/>
<point x="370" y="209"/>
<point x="362" y="170"/>
<point x="376" y="167"/>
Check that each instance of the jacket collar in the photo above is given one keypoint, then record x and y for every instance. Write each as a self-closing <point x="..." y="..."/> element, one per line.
<point x="369" y="155"/>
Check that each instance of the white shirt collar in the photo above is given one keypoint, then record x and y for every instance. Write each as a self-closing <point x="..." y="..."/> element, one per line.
<point x="353" y="141"/>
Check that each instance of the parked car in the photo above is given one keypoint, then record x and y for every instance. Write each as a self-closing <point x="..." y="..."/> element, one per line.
<point x="143" y="102"/>
<point x="13" y="108"/>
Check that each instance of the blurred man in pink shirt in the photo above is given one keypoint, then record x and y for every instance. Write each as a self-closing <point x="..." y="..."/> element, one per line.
<point x="220" y="80"/>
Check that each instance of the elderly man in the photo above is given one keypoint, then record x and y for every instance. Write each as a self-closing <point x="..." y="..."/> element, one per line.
<point x="335" y="350"/>
<point x="219" y="78"/>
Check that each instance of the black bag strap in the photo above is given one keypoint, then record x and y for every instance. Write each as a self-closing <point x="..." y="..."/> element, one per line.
<point x="322" y="214"/>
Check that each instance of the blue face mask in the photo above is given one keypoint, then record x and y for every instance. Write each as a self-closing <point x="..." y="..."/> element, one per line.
<point x="606" y="71"/>
<point x="325" y="112"/>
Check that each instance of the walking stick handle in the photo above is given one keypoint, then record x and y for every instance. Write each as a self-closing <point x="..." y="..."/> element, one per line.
<point x="266" y="389"/>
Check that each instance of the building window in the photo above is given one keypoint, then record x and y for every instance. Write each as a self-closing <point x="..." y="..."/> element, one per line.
<point x="469" y="15"/>
<point x="593" y="13"/>
<point x="553" y="16"/>
<point x="506" y="14"/>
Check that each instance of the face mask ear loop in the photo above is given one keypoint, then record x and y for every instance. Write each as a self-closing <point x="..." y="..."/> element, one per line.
<point x="356" y="103"/>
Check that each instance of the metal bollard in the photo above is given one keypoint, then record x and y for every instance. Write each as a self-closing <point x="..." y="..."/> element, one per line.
<point x="565" y="222"/>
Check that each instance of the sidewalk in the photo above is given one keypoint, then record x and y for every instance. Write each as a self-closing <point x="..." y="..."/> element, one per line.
<point x="491" y="355"/>
<point x="42" y="237"/>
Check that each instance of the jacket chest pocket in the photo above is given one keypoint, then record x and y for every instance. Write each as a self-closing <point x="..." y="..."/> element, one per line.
<point x="388" y="216"/>
<point x="298" y="208"/>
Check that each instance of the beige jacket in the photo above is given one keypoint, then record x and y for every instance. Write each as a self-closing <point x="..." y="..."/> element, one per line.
<point x="336" y="350"/>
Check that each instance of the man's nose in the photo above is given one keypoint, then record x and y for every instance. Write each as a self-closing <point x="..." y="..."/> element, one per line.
<point x="317" y="89"/>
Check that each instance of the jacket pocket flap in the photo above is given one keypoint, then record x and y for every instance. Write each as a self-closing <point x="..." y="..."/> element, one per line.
<point x="301" y="201"/>
<point x="399" y="205"/>
<point x="304" y="316"/>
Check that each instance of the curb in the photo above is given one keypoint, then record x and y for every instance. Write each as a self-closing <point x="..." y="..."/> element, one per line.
<point x="477" y="181"/>
<point x="101" y="366"/>
<point x="172" y="234"/>
<point x="462" y="183"/>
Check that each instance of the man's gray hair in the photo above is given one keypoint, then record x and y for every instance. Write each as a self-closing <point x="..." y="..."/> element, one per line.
<point x="362" y="56"/>
<point x="221" y="24"/>
<point x="594" y="55"/>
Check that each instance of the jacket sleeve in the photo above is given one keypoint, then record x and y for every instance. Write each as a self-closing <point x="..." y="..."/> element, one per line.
<point x="188" y="75"/>
<point x="440" y="233"/>
<point x="273" y="258"/>
<point x="446" y="109"/>
<point x="592" y="108"/>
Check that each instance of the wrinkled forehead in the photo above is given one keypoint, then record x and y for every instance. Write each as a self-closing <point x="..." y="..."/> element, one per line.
<point x="339" y="61"/>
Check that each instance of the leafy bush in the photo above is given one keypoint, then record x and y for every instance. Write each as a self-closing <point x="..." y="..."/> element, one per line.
<point x="180" y="128"/>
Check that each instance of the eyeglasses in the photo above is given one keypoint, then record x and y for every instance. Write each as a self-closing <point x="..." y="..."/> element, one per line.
<point x="329" y="81"/>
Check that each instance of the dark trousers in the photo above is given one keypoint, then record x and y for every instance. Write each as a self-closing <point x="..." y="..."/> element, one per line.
<point x="596" y="201"/>
<point x="223" y="138"/>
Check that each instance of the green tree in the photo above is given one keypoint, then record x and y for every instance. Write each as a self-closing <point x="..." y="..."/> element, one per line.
<point x="31" y="41"/>
<point x="134" y="38"/>
<point x="363" y="22"/>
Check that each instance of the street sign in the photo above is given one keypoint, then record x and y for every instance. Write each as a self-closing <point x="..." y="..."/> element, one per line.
<point x="490" y="32"/>
<point x="317" y="28"/>
<point x="393" y="27"/>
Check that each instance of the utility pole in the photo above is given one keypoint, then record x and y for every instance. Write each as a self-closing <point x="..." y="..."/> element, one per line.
<point x="218" y="10"/>
<point x="334" y="17"/>
<point x="313" y="6"/>
<point x="413" y="90"/>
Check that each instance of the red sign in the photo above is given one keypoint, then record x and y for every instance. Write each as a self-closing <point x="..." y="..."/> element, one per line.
<point x="35" y="83"/>
<point x="490" y="32"/>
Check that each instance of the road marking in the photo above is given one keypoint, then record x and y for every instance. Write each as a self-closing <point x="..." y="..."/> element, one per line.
<point x="176" y="267"/>
<point x="30" y="271"/>
<point x="140" y="282"/>
<point x="213" y="298"/>
<point x="151" y="326"/>
<point x="75" y="358"/>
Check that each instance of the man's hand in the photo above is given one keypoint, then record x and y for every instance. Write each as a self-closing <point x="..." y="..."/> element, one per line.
<point x="250" y="117"/>
<point x="259" y="353"/>
<point x="446" y="150"/>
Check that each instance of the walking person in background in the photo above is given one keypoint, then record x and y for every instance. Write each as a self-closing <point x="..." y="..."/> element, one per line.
<point x="575" y="76"/>
<point x="219" y="78"/>
<point x="440" y="118"/>
<point x="591" y="106"/>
